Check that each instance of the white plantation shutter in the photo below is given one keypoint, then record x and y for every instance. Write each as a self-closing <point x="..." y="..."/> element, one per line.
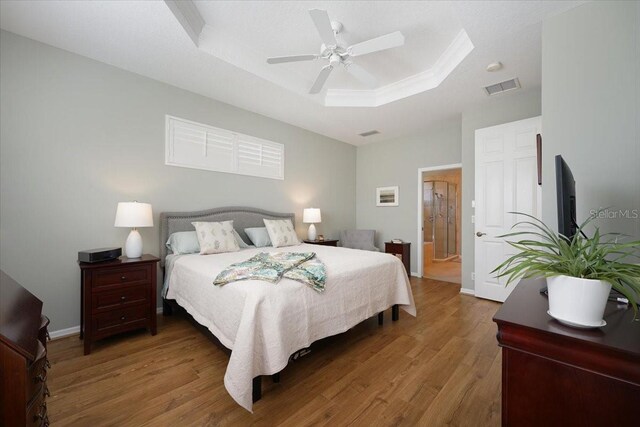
<point x="194" y="145"/>
<point x="258" y="157"/>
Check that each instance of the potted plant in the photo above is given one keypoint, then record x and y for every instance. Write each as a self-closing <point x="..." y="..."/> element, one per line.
<point x="580" y="271"/>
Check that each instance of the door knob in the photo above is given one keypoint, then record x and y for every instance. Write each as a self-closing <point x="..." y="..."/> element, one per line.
<point x="480" y="234"/>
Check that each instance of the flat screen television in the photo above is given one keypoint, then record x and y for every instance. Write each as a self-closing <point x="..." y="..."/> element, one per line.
<point x="566" y="196"/>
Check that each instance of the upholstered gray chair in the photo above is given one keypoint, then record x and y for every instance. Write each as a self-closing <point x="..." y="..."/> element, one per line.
<point x="358" y="239"/>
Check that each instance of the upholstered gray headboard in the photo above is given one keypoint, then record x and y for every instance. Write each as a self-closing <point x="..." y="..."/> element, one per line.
<point x="243" y="217"/>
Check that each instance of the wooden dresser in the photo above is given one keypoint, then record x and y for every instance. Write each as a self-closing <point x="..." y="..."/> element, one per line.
<point x="117" y="296"/>
<point x="555" y="375"/>
<point x="23" y="357"/>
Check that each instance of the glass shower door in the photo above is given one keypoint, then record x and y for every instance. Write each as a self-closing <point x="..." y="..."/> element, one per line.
<point x="440" y="219"/>
<point x="452" y="198"/>
<point x="427" y="214"/>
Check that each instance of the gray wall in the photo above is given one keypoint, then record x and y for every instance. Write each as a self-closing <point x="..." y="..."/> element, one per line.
<point x="394" y="163"/>
<point x="78" y="136"/>
<point x="505" y="108"/>
<point x="591" y="109"/>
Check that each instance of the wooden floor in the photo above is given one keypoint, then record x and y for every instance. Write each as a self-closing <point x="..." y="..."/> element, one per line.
<point x="441" y="368"/>
<point x="446" y="271"/>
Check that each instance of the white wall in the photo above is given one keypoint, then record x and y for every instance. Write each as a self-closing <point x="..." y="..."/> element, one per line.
<point x="78" y="136"/>
<point x="451" y="141"/>
<point x="591" y="110"/>
<point x="394" y="163"/>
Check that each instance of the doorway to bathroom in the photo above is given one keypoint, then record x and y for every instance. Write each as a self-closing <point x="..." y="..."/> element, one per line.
<point x="441" y="224"/>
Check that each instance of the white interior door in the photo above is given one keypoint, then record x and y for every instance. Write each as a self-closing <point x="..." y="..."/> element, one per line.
<point x="506" y="181"/>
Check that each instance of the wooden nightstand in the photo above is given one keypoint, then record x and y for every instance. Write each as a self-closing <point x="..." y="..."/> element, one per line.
<point x="402" y="251"/>
<point x="117" y="296"/>
<point x="322" y="242"/>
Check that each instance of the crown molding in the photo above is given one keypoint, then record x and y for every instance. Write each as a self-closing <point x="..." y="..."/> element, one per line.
<point x="429" y="79"/>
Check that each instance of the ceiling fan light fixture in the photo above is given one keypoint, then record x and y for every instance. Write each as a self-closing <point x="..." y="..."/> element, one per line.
<point x="337" y="54"/>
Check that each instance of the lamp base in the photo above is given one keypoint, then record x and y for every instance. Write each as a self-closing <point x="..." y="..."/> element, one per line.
<point x="133" y="246"/>
<point x="311" y="235"/>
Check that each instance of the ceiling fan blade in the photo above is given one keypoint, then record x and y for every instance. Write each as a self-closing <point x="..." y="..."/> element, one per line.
<point x="293" y="58"/>
<point x="323" y="25"/>
<point x="379" y="43"/>
<point x="321" y="79"/>
<point x="361" y="74"/>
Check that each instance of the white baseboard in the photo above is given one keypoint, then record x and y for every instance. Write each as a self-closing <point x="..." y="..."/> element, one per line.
<point x="75" y="330"/>
<point x="467" y="291"/>
<point x="415" y="274"/>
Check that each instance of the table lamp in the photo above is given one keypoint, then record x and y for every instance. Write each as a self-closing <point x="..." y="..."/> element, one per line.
<point x="134" y="215"/>
<point x="311" y="216"/>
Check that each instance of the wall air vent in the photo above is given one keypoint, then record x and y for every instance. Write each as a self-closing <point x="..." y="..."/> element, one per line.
<point x="504" y="86"/>
<point x="371" y="132"/>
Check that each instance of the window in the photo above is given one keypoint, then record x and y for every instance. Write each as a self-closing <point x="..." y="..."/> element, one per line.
<point x="198" y="146"/>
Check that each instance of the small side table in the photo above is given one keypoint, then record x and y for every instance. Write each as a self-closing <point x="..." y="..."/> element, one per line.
<point x="402" y="251"/>
<point x="117" y="296"/>
<point x="322" y="242"/>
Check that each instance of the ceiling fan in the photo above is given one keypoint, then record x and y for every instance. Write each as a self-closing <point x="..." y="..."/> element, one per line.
<point x="335" y="54"/>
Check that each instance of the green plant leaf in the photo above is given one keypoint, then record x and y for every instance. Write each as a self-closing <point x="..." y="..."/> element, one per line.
<point x="543" y="253"/>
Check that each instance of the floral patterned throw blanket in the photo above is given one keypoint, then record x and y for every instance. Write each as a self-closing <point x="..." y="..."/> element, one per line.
<point x="303" y="267"/>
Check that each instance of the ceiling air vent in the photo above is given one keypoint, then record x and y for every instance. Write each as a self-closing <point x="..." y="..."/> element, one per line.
<point x="502" y="87"/>
<point x="371" y="132"/>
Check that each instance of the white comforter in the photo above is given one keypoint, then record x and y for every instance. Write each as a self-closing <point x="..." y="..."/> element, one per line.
<point x="264" y="323"/>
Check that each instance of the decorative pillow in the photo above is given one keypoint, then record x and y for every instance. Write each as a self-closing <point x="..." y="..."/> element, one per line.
<point x="183" y="242"/>
<point x="258" y="236"/>
<point x="281" y="232"/>
<point x="241" y="243"/>
<point x="216" y="237"/>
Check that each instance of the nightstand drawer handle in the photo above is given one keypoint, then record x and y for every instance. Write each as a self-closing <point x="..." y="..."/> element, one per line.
<point x="123" y="297"/>
<point x="123" y="278"/>
<point x="122" y="318"/>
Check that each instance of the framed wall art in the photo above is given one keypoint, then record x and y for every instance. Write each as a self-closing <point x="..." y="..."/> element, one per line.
<point x="387" y="196"/>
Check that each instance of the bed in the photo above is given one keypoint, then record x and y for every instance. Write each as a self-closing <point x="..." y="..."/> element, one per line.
<point x="262" y="323"/>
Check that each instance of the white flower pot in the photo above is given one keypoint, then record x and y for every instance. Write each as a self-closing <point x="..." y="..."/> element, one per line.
<point x="578" y="302"/>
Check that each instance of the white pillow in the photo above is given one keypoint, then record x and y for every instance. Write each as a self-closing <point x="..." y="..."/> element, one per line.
<point x="216" y="237"/>
<point x="241" y="243"/>
<point x="281" y="232"/>
<point x="259" y="236"/>
<point x="183" y="242"/>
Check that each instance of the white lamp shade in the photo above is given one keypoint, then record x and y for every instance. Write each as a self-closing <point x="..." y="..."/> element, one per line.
<point x="134" y="214"/>
<point x="311" y="216"/>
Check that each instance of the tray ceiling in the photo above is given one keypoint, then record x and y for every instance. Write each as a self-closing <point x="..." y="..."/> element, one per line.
<point x="243" y="34"/>
<point x="418" y="83"/>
